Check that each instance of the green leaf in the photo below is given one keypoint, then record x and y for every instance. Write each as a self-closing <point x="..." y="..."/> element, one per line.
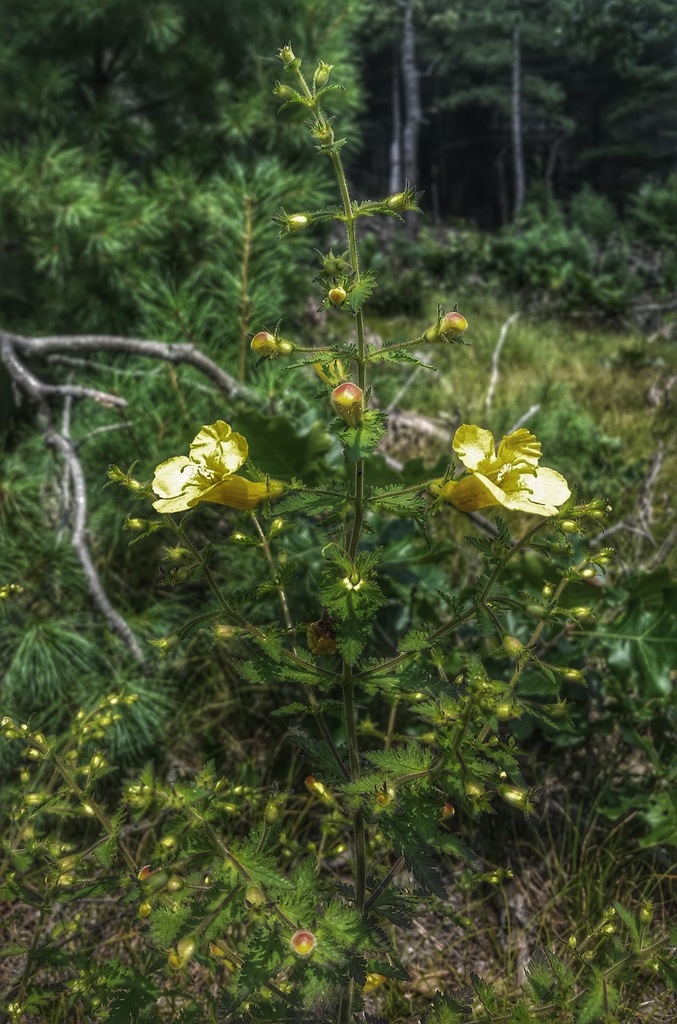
<point x="360" y="292"/>
<point x="407" y="840"/>
<point x="359" y="442"/>
<point x="278" y="448"/>
<point x="309" y="503"/>
<point x="645" y="640"/>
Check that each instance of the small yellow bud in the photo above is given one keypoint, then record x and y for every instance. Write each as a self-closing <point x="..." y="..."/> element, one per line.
<point x="264" y="344"/>
<point x="255" y="896"/>
<point x="145" y="910"/>
<point x="337" y="295"/>
<point x="646" y="913"/>
<point x="174" y="883"/>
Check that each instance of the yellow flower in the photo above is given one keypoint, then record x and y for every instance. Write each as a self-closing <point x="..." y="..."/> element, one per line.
<point x="508" y="476"/>
<point x="208" y="473"/>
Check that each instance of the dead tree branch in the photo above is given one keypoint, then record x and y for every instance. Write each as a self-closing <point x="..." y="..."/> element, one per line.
<point x="19" y="354"/>
<point x="77" y="489"/>
<point x="493" y="380"/>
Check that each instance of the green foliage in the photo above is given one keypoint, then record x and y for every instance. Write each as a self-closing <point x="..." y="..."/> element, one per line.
<point x="280" y="895"/>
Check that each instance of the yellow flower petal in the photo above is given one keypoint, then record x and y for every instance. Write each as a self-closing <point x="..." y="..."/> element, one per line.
<point x="217" y="448"/>
<point x="472" y="492"/>
<point x="540" y="494"/>
<point x="519" y="448"/>
<point x="473" y="445"/>
<point x="236" y="492"/>
<point x="178" y="485"/>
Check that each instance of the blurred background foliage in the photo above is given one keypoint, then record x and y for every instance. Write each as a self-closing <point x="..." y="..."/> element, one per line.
<point x="141" y="161"/>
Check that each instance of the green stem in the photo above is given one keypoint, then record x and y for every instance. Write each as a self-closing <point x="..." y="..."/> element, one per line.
<point x="291" y="633"/>
<point x="354" y="760"/>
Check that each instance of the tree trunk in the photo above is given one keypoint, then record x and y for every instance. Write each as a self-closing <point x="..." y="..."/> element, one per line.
<point x="517" y="126"/>
<point x="412" y="105"/>
<point x="396" y="178"/>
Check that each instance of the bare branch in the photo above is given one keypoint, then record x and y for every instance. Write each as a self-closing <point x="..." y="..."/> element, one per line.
<point x="78" y="509"/>
<point x="32" y="348"/>
<point x="493" y="381"/>
<point x="525" y="417"/>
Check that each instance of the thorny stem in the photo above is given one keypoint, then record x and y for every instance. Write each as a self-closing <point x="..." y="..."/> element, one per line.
<point x="345" y="1014"/>
<point x="240" y="868"/>
<point x="291" y="632"/>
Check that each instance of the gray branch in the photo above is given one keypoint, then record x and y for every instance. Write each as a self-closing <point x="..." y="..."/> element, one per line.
<point x="34" y="348"/>
<point x="78" y="510"/>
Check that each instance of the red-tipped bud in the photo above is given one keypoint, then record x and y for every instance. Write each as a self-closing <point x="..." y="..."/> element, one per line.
<point x="145" y="873"/>
<point x="448" y="811"/>
<point x="348" y="399"/>
<point x="452" y="325"/>
<point x="303" y="942"/>
<point x="337" y="295"/>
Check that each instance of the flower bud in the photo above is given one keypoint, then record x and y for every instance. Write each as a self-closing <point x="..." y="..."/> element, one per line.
<point x="505" y="711"/>
<point x="264" y="344"/>
<point x="144" y="873"/>
<point x="569" y="526"/>
<point x="286" y="55"/>
<point x="398" y="201"/>
<point x="646" y="913"/>
<point x="348" y="399"/>
<point x="448" y="811"/>
<point x="385" y="796"/>
<point x="303" y="942"/>
<point x="452" y="325"/>
<point x="574" y="675"/>
<point x="318" y="789"/>
<point x="337" y="295"/>
<point x="145" y="910"/>
<point x="321" y="76"/>
<point x="474" y="789"/>
<point x="296" y="222"/>
<point x="285" y="92"/>
<point x="174" y="883"/>
<point x="321" y="637"/>
<point x="255" y="895"/>
<point x="516" y="797"/>
<point x="513" y="646"/>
